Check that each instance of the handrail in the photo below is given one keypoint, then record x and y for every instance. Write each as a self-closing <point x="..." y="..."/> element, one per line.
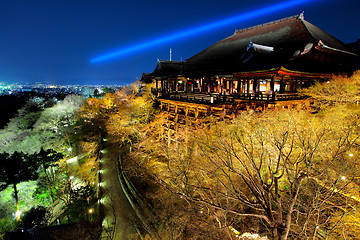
<point x="209" y="98"/>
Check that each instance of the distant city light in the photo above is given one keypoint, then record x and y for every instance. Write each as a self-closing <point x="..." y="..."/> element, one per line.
<point x="198" y="29"/>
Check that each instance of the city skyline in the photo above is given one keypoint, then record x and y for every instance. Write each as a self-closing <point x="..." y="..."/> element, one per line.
<point x="53" y="42"/>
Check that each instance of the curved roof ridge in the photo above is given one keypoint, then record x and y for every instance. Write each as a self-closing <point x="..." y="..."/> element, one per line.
<point x="291" y="18"/>
<point x="321" y="35"/>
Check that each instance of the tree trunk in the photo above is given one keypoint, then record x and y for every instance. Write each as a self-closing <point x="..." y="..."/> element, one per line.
<point x="275" y="233"/>
<point x="297" y="183"/>
<point x="17" y="202"/>
<point x="49" y="185"/>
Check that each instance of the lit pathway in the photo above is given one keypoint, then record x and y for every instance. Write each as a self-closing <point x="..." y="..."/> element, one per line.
<point x="119" y="216"/>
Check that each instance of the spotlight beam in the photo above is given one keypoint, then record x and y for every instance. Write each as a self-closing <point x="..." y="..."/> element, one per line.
<point x="198" y="29"/>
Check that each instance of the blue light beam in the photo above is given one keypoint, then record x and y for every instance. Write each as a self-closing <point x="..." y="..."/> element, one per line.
<point x="198" y="29"/>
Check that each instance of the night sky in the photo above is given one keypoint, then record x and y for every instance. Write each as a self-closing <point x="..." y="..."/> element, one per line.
<point x="53" y="41"/>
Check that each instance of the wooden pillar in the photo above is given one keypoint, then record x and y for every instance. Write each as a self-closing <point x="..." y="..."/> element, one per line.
<point x="231" y="86"/>
<point x="293" y="85"/>
<point x="209" y="86"/>
<point x="272" y="88"/>
<point x="239" y="86"/>
<point x="185" y="86"/>
<point x="248" y="86"/>
<point x="282" y="85"/>
<point x="272" y="84"/>
<point x="192" y="85"/>
<point x="220" y="87"/>
<point x="162" y="86"/>
<point x="255" y="85"/>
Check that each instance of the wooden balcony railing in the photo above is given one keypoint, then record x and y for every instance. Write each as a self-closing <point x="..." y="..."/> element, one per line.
<point x="213" y="98"/>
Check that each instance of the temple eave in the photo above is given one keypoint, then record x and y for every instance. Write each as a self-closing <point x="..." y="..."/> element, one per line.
<point x="281" y="71"/>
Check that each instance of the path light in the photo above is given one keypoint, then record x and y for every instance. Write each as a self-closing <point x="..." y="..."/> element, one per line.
<point x="351" y="154"/>
<point x="91" y="210"/>
<point x="343" y="178"/>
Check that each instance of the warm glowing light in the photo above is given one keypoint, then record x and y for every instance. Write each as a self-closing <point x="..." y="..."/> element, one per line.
<point x="343" y="178"/>
<point x="351" y="154"/>
<point x="17" y="214"/>
<point x="199" y="29"/>
<point x="91" y="210"/>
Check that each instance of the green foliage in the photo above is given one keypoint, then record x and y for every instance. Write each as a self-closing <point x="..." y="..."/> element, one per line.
<point x="15" y="168"/>
<point x="82" y="204"/>
<point x="46" y="158"/>
<point x="35" y="127"/>
<point x="27" y="199"/>
<point x="38" y="128"/>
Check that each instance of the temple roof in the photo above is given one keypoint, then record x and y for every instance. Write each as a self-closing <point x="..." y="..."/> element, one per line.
<point x="291" y="42"/>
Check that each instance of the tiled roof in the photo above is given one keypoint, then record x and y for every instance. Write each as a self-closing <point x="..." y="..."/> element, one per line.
<point x="286" y="35"/>
<point x="290" y="42"/>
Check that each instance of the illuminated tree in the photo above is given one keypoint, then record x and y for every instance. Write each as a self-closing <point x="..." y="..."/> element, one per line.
<point x="82" y="200"/>
<point x="284" y="169"/>
<point x="338" y="90"/>
<point x="45" y="159"/>
<point x="27" y="115"/>
<point x="16" y="168"/>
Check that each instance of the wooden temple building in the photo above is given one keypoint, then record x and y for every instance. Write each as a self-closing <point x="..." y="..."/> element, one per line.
<point x="264" y="65"/>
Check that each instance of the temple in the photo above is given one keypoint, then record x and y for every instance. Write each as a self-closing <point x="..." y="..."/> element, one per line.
<point x="260" y="65"/>
<point x="267" y="60"/>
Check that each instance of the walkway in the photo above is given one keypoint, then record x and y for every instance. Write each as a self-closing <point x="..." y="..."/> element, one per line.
<point x="119" y="218"/>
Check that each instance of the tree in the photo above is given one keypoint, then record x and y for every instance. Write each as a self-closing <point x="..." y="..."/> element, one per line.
<point x="34" y="218"/>
<point x="45" y="159"/>
<point x="81" y="204"/>
<point x="16" y="168"/>
<point x="338" y="90"/>
<point x="280" y="170"/>
<point x="27" y="115"/>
